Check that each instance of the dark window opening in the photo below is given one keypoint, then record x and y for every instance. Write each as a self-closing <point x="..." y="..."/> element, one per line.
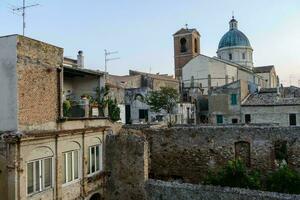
<point x="234" y="121"/>
<point x="196" y="45"/>
<point x="281" y="150"/>
<point x="293" y="120"/>
<point x="230" y="56"/>
<point x="143" y="114"/>
<point x="183" y="45"/>
<point x="244" y="56"/>
<point x="247" y="118"/>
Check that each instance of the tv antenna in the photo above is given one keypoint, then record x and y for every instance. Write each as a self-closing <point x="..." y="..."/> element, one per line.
<point x="106" y="54"/>
<point x="23" y="10"/>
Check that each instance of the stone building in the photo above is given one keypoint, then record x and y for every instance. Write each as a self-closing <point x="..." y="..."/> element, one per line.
<point x="225" y="102"/>
<point x="136" y="86"/>
<point x="45" y="154"/>
<point x="234" y="61"/>
<point x="279" y="106"/>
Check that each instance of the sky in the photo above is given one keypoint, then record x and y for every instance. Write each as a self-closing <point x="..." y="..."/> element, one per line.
<point x="141" y="31"/>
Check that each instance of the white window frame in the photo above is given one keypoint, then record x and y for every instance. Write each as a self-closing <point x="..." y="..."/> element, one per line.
<point x="73" y="179"/>
<point x="90" y="172"/>
<point x="41" y="176"/>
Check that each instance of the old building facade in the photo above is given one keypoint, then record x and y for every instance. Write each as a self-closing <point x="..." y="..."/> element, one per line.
<point x="234" y="61"/>
<point x="45" y="153"/>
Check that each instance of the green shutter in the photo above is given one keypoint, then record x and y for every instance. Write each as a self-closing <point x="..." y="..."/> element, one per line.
<point x="233" y="99"/>
<point x="219" y="119"/>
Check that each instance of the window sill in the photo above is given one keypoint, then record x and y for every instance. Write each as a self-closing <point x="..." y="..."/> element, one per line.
<point x="40" y="192"/>
<point x="97" y="175"/>
<point x="71" y="183"/>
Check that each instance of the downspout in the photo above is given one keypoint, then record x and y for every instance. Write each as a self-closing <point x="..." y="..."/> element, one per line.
<point x="18" y="168"/>
<point x="56" y="167"/>
<point x="82" y="165"/>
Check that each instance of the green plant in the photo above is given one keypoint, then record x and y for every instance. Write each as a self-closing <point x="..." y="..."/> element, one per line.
<point x="284" y="180"/>
<point x="66" y="108"/>
<point x="113" y="110"/>
<point x="235" y="174"/>
<point x="164" y="99"/>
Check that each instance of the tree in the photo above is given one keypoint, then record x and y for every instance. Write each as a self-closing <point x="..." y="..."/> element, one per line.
<point x="164" y="99"/>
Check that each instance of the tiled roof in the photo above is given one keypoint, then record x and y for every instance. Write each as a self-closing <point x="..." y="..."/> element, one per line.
<point x="269" y="97"/>
<point x="263" y="69"/>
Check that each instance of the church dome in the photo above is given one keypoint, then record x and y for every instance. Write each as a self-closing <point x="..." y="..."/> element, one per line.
<point x="234" y="37"/>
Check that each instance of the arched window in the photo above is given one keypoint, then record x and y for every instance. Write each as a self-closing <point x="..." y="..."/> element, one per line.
<point x="183" y="45"/>
<point x="196" y="45"/>
<point x="230" y="56"/>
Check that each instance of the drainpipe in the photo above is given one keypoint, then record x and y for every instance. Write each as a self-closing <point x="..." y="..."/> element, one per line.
<point x="18" y="168"/>
<point x="56" y="168"/>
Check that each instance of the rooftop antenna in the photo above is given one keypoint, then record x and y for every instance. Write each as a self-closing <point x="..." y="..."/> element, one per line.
<point x="106" y="54"/>
<point x="23" y="10"/>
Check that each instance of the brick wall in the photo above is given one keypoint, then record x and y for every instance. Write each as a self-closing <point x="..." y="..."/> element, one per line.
<point x="37" y="64"/>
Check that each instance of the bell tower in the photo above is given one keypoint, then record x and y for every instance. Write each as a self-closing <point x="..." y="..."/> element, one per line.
<point x="186" y="47"/>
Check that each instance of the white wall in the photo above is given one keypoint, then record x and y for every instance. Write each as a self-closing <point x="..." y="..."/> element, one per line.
<point x="8" y="83"/>
<point x="271" y="114"/>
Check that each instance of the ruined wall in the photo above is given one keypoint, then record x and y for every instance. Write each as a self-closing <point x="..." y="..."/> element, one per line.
<point x="37" y="64"/>
<point x="171" y="190"/>
<point x="127" y="163"/>
<point x="188" y="153"/>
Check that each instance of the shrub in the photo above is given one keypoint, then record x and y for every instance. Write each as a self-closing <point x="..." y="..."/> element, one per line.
<point x="235" y="174"/>
<point x="284" y="180"/>
<point x="113" y="110"/>
<point x="66" y="108"/>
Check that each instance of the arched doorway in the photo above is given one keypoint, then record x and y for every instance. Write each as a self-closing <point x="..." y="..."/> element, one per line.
<point x="96" y="196"/>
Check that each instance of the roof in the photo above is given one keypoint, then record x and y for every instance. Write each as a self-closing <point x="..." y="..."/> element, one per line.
<point x="232" y="38"/>
<point x="82" y="70"/>
<point x="155" y="76"/>
<point x="263" y="69"/>
<point x="185" y="31"/>
<point x="270" y="97"/>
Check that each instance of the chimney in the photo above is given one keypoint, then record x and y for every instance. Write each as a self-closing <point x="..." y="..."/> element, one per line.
<point x="80" y="59"/>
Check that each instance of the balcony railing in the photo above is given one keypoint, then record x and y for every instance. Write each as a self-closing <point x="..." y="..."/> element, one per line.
<point x="81" y="109"/>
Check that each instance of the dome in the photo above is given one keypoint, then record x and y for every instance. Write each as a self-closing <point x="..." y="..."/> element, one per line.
<point x="234" y="37"/>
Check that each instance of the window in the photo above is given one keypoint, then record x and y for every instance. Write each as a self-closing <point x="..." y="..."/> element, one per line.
<point x="247" y="118"/>
<point x="230" y="56"/>
<point x="95" y="159"/>
<point x="39" y="175"/>
<point x="233" y="99"/>
<point x="234" y="121"/>
<point x="244" y="56"/>
<point x="293" y="121"/>
<point x="219" y="119"/>
<point x="71" y="166"/>
<point x="183" y="45"/>
<point x="143" y="114"/>
<point x="196" y="45"/>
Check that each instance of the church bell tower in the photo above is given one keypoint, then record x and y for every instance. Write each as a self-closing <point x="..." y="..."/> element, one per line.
<point x="186" y="47"/>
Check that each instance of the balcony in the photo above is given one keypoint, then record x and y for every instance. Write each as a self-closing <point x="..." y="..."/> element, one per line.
<point x="81" y="93"/>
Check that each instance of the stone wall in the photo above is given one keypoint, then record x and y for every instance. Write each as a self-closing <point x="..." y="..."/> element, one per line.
<point x="127" y="163"/>
<point x="37" y="64"/>
<point x="171" y="190"/>
<point x="188" y="153"/>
